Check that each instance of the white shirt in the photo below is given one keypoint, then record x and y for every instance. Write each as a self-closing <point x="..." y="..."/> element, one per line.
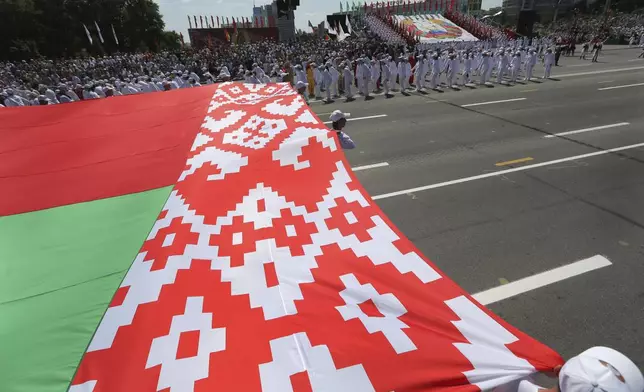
<point x="13" y="101"/>
<point x="345" y="141"/>
<point x="549" y="58"/>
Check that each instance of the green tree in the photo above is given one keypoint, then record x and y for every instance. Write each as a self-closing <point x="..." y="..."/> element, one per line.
<point x="55" y="27"/>
<point x="170" y="40"/>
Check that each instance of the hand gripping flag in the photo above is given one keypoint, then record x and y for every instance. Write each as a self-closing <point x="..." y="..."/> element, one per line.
<point x="216" y="239"/>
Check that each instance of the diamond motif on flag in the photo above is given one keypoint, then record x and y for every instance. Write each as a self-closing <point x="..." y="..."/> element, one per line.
<point x="255" y="133"/>
<point x="294" y="354"/>
<point x="251" y="279"/>
<point x="388" y="305"/>
<point x="180" y="374"/>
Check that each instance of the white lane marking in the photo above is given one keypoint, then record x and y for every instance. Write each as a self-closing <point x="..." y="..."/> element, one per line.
<point x="540" y="280"/>
<point x="598" y="72"/>
<point x="580" y="65"/>
<point x="493" y="102"/>
<point x="623" y="86"/>
<point x="503" y="172"/>
<point x="635" y="60"/>
<point x="606" y="81"/>
<point x="367" y="167"/>
<point x="588" y="130"/>
<point x="360" y="118"/>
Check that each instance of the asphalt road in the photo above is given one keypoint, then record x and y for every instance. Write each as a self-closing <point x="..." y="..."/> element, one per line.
<point x="572" y="197"/>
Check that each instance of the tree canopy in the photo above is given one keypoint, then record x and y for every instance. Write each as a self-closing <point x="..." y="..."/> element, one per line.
<point x="54" y="28"/>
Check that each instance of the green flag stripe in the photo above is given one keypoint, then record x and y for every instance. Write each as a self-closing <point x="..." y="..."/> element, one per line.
<point x="59" y="269"/>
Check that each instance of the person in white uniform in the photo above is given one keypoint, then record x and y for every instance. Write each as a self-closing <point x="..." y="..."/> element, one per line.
<point x="327" y="79"/>
<point x="393" y="68"/>
<point x="419" y="73"/>
<point x="386" y="76"/>
<point x="531" y="61"/>
<point x="348" y="82"/>
<point x="12" y="100"/>
<point x="365" y="73"/>
<point x="515" y="66"/>
<point x="503" y="64"/>
<point x="436" y="71"/>
<point x="335" y="77"/>
<point x="452" y="71"/>
<point x="317" y="79"/>
<point x="467" y="68"/>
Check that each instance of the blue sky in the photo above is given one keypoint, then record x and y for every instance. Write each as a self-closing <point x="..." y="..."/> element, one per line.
<point x="175" y="11"/>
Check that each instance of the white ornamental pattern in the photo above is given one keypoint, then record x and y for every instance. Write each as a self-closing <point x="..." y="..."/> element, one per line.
<point x="181" y="374"/>
<point x="388" y="305"/>
<point x="294" y="354"/>
<point x="243" y="121"/>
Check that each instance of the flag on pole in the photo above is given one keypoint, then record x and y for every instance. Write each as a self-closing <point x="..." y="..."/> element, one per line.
<point x="201" y="20"/>
<point x="98" y="30"/>
<point x="303" y="260"/>
<point x="195" y="16"/>
<point x="116" y="38"/>
<point x="217" y="22"/>
<point x="89" y="36"/>
<point x="349" y="27"/>
<point x="212" y="20"/>
<point x="311" y="26"/>
<point x="341" y="7"/>
<point x="330" y="29"/>
<point x="189" y="22"/>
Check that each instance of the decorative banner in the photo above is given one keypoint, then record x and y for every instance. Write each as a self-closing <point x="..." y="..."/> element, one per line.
<point x="261" y="263"/>
<point x="434" y="28"/>
<point x="270" y="269"/>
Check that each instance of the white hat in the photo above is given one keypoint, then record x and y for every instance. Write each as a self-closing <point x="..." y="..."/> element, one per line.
<point x="338" y="115"/>
<point x="600" y="369"/>
<point x="300" y="84"/>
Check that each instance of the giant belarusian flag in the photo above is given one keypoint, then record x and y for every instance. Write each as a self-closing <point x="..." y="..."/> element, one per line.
<point x="215" y="239"/>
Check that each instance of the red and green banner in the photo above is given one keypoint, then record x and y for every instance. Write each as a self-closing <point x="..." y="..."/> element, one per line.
<point x="216" y="239"/>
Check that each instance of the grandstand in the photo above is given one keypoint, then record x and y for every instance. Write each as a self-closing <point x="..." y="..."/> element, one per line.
<point x="431" y="28"/>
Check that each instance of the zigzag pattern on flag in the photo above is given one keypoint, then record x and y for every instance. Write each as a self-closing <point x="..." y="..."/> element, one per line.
<point x="270" y="269"/>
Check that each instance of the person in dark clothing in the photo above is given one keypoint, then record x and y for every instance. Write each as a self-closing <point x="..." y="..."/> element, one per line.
<point x="584" y="51"/>
<point x="596" y="49"/>
<point x="558" y="50"/>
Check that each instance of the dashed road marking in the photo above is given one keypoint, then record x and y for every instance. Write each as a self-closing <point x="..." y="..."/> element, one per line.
<point x="360" y="118"/>
<point x="492" y="102"/>
<point x="506" y="171"/>
<point x="514" y="162"/>
<point x="543" y="279"/>
<point x="367" y="167"/>
<point x="588" y="130"/>
<point x="622" y="86"/>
